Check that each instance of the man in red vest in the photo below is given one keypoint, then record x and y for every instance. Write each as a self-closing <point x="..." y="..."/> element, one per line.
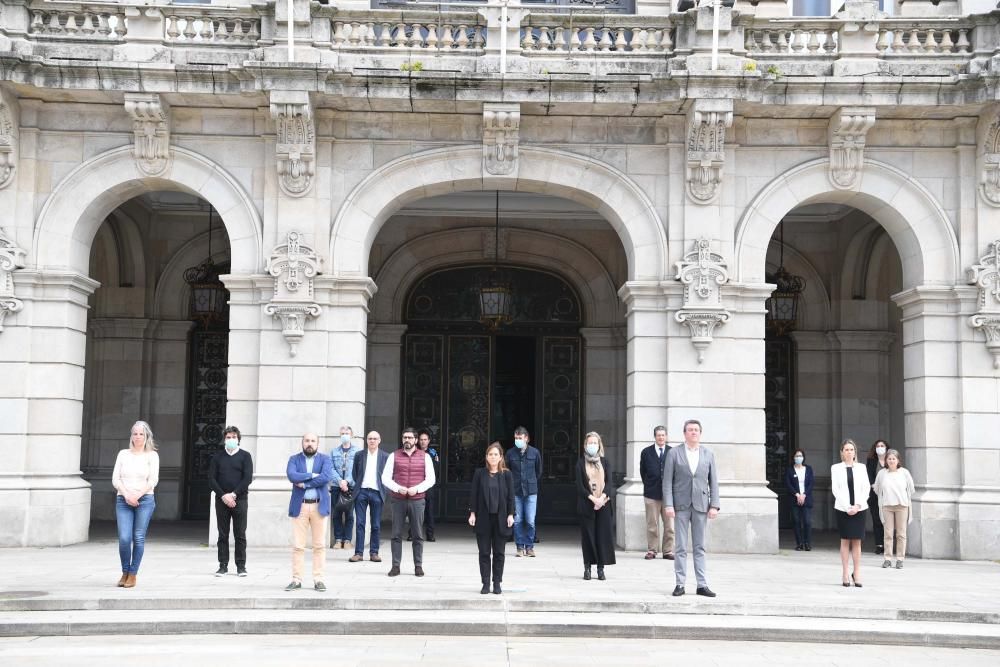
<point x="408" y="474"/>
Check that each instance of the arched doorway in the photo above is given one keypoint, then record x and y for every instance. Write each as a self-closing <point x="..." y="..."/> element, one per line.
<point x="470" y="385"/>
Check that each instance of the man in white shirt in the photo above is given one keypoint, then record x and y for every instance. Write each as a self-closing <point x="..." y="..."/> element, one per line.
<point x="691" y="498"/>
<point x="408" y="473"/>
<point x="367" y="474"/>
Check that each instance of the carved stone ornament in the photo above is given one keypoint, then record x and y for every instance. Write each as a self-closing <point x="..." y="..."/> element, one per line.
<point x="11" y="259"/>
<point x="846" y="133"/>
<point x="151" y="129"/>
<point x="986" y="276"/>
<point x="703" y="274"/>
<point x="706" y="144"/>
<point x="8" y="141"/>
<point x="989" y="178"/>
<point x="294" y="266"/>
<point x="296" y="144"/>
<point x="501" y="134"/>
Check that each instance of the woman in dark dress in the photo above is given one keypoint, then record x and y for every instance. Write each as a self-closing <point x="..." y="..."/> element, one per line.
<point x="874" y="464"/>
<point x="849" y="481"/>
<point x="799" y="481"/>
<point x="595" y="489"/>
<point x="491" y="514"/>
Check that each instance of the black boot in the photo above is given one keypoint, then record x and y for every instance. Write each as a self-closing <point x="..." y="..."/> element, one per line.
<point x="486" y="587"/>
<point x="496" y="588"/>
<point x="586" y="573"/>
<point x="600" y="573"/>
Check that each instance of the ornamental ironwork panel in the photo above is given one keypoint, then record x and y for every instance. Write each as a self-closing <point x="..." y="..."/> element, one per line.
<point x="779" y="424"/>
<point x="206" y="415"/>
<point x="470" y="360"/>
<point x="451" y="295"/>
<point x="423" y="385"/>
<point x="560" y="407"/>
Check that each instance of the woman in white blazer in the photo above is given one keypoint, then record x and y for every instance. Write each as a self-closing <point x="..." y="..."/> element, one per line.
<point x="849" y="481"/>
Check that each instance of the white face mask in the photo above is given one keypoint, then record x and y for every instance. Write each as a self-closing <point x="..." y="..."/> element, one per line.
<point x="880" y="451"/>
<point x="345" y="438"/>
<point x="799" y="460"/>
<point x="520" y="444"/>
<point x="232" y="445"/>
<point x="592" y="449"/>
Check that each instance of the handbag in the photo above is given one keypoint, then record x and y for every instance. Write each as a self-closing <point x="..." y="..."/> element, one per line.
<point x="345" y="501"/>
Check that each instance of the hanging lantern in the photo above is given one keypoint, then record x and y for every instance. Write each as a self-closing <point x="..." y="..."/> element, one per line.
<point x="496" y="299"/>
<point x="209" y="297"/>
<point x="783" y="305"/>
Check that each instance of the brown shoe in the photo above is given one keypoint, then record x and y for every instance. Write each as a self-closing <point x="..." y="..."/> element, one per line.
<point x="356" y="558"/>
<point x="394" y="571"/>
<point x="650" y="555"/>
<point x="418" y="571"/>
<point x="668" y="556"/>
<point x="375" y="558"/>
<point x="129" y="581"/>
<point x="121" y="582"/>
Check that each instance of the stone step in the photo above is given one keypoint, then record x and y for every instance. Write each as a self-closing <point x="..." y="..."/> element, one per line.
<point x="498" y="622"/>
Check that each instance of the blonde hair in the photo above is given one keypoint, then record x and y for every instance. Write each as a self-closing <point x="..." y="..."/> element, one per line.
<point x="502" y="466"/>
<point x="600" y="443"/>
<point x="844" y="444"/>
<point x="150" y="445"/>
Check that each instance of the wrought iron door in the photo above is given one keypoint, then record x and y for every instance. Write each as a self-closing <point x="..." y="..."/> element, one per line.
<point x="779" y="422"/>
<point x="209" y="370"/>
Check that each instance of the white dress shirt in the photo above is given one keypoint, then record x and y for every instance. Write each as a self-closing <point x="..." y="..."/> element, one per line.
<point x="428" y="482"/>
<point x="371" y="471"/>
<point x="693" y="455"/>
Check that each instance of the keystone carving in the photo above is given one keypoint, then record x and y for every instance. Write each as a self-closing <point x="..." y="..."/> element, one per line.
<point x="151" y="128"/>
<point x="706" y="144"/>
<point x="501" y="134"/>
<point x="8" y="139"/>
<point x="296" y="144"/>
<point x="294" y="266"/>
<point x="989" y="177"/>
<point x="11" y="259"/>
<point x="846" y="132"/>
<point x="986" y="276"/>
<point x="703" y="274"/>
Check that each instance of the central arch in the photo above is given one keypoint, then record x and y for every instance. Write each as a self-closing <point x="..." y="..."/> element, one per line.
<point x="595" y="184"/>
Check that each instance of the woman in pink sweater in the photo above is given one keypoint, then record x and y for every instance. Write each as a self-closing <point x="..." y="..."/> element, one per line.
<point x="137" y="470"/>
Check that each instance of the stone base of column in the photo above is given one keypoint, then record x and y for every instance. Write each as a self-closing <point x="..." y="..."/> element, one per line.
<point x="44" y="511"/>
<point x="630" y="517"/>
<point x="979" y="525"/>
<point x="933" y="533"/>
<point x="748" y="522"/>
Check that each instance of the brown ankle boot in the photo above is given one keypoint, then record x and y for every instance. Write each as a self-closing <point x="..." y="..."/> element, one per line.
<point x="129" y="581"/>
<point x="121" y="582"/>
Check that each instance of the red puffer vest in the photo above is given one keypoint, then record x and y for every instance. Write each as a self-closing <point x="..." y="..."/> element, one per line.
<point x="408" y="471"/>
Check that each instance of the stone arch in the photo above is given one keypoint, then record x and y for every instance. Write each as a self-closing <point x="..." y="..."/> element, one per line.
<point x="172" y="303"/>
<point x="916" y="222"/>
<point x="572" y="261"/>
<point x="73" y="212"/>
<point x="590" y="182"/>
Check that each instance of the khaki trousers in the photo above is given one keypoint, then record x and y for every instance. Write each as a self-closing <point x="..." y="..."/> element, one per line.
<point x="308" y="521"/>
<point x="655" y="515"/>
<point x="895" y="521"/>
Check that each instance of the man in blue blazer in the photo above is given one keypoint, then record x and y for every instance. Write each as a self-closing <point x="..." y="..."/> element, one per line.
<point x="691" y="498"/>
<point x="367" y="475"/>
<point x="310" y="473"/>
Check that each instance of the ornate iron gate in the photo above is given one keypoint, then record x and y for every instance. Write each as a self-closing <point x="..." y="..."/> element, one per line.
<point x="779" y="421"/>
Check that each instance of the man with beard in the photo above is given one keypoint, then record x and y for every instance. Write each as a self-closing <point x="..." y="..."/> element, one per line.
<point x="408" y="474"/>
<point x="310" y="473"/>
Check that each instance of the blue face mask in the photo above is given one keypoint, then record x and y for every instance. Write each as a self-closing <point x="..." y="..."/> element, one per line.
<point x="592" y="449"/>
<point x="232" y="445"/>
<point x="520" y="444"/>
<point x="799" y="460"/>
<point x="345" y="438"/>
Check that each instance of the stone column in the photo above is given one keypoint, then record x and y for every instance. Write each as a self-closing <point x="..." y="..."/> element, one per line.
<point x="862" y="379"/>
<point x="44" y="500"/>
<point x="604" y="389"/>
<point x="645" y="398"/>
<point x="384" y="379"/>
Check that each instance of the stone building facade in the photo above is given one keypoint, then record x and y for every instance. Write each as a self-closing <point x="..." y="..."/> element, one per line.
<point x="638" y="187"/>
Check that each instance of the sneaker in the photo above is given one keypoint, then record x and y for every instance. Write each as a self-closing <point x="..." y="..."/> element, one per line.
<point x="222" y="570"/>
<point x="346" y="544"/>
<point x="320" y="586"/>
<point x="886" y="563"/>
<point x="294" y="586"/>
<point x="899" y="565"/>
<point x="356" y="558"/>
<point x="530" y="552"/>
<point x="241" y="572"/>
<point x="520" y="552"/>
<point x="418" y="571"/>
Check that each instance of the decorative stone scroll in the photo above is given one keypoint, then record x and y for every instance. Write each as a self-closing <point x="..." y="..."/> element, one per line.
<point x="706" y="144"/>
<point x="11" y="259"/>
<point x="8" y="140"/>
<point x="846" y="133"/>
<point x="296" y="145"/>
<point x="501" y="135"/>
<point x="151" y="128"/>
<point x="986" y="276"/>
<point x="294" y="266"/>
<point x="703" y="274"/>
<point x="989" y="177"/>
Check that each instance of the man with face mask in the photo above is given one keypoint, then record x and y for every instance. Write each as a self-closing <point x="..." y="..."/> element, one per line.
<point x="310" y="473"/>
<point x="408" y="473"/>
<point x="343" y="483"/>
<point x="229" y="474"/>
<point x="525" y="463"/>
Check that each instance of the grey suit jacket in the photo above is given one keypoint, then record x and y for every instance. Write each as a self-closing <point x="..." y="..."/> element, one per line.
<point x="681" y="489"/>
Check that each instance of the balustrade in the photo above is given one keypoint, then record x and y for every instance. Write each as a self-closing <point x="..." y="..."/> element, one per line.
<point x="443" y="35"/>
<point x="923" y="40"/>
<point x="541" y="36"/>
<point x="99" y="23"/>
<point x="795" y="40"/>
<point x="205" y="29"/>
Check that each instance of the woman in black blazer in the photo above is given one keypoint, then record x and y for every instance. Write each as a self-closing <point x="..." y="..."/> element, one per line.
<point x="492" y="500"/>
<point x="595" y="489"/>
<point x="799" y="481"/>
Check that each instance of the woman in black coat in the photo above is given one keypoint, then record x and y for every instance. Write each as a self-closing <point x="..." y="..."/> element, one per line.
<point x="595" y="489"/>
<point x="799" y="481"/>
<point x="492" y="501"/>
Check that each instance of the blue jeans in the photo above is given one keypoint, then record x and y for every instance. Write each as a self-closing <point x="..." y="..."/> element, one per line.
<point x="132" y="525"/>
<point x="367" y="498"/>
<point x="524" y="521"/>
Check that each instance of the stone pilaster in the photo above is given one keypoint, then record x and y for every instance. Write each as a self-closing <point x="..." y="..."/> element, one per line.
<point x="384" y="379"/>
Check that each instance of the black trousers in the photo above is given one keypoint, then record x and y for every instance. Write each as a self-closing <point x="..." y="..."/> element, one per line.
<point x="877" y="529"/>
<point x="238" y="516"/>
<point x="430" y="502"/>
<point x="491" y="543"/>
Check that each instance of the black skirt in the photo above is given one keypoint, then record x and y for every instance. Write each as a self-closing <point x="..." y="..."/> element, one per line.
<point x="851" y="527"/>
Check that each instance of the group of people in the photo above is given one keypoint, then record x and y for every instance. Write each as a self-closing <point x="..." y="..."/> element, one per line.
<point x="680" y="489"/>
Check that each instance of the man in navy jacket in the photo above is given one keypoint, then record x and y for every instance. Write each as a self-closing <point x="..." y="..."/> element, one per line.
<point x="525" y="463"/>
<point x="651" y="462"/>
<point x="310" y="473"/>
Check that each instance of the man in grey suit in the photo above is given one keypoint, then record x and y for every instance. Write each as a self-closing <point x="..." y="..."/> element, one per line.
<point x="691" y="498"/>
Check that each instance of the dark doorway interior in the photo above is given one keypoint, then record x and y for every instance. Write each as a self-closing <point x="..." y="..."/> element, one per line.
<point x="514" y="386"/>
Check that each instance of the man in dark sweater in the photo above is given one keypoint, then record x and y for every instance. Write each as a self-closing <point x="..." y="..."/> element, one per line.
<point x="229" y="475"/>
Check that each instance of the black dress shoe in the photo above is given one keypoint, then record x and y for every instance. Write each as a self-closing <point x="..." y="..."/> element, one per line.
<point x="394" y="571"/>
<point x="880" y="550"/>
<point x="430" y="539"/>
<point x="678" y="591"/>
<point x="799" y="547"/>
<point x="706" y="591"/>
<point x="485" y="589"/>
<point x="668" y="556"/>
<point x="418" y="571"/>
<point x="600" y="574"/>
<point x="496" y="588"/>
<point x="808" y="547"/>
<point x="586" y="573"/>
